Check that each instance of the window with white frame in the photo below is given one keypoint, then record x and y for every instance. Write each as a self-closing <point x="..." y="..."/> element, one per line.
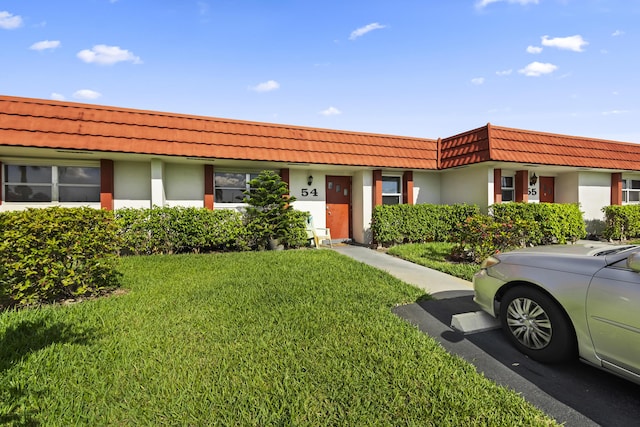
<point x="230" y="186"/>
<point x="391" y="190"/>
<point x="25" y="183"/>
<point x="631" y="191"/>
<point x="508" y="189"/>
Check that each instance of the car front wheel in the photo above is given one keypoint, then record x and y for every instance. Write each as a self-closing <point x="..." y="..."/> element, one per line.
<point x="537" y="326"/>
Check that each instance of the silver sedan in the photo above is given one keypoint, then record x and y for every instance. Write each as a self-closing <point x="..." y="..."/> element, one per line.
<point x="556" y="303"/>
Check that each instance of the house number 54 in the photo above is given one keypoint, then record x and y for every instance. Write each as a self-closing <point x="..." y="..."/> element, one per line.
<point x="306" y="192"/>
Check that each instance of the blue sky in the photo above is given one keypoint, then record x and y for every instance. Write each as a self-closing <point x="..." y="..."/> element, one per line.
<point x="424" y="68"/>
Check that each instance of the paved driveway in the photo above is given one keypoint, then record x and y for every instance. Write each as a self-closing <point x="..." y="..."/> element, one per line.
<point x="574" y="394"/>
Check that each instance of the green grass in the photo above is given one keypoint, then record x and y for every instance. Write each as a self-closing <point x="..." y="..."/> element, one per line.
<point x="303" y="338"/>
<point x="434" y="255"/>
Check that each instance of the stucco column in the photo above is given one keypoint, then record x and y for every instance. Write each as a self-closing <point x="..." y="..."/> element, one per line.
<point x="616" y="189"/>
<point x="209" y="198"/>
<point x="497" y="186"/>
<point x="407" y="187"/>
<point x="522" y="186"/>
<point x="377" y="187"/>
<point x="106" y="184"/>
<point x="157" y="183"/>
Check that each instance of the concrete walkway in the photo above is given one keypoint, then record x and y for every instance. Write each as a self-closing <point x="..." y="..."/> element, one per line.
<point x="439" y="285"/>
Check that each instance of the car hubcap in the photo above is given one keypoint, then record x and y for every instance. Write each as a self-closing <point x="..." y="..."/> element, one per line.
<point x="529" y="323"/>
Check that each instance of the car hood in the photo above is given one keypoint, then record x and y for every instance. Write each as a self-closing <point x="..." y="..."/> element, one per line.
<point x="579" y="258"/>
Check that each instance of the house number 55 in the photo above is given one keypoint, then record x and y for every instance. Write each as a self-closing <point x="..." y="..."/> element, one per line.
<point x="306" y="192"/>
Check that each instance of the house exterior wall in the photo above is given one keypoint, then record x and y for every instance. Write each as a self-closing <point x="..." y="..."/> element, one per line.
<point x="465" y="185"/>
<point x="313" y="199"/>
<point x="132" y="185"/>
<point x="362" y="205"/>
<point x="184" y="185"/>
<point x="594" y="192"/>
<point x="566" y="187"/>
<point x="426" y="187"/>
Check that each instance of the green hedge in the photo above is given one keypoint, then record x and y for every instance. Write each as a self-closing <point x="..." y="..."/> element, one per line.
<point x="549" y="222"/>
<point x="170" y="230"/>
<point x="52" y="254"/>
<point x="394" y="224"/>
<point x="622" y="222"/>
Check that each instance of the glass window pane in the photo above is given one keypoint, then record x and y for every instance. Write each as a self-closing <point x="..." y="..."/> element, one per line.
<point x="634" y="196"/>
<point x="78" y="194"/>
<point x="390" y="200"/>
<point x="507" y="195"/>
<point x="27" y="174"/>
<point x="231" y="180"/>
<point x="229" y="195"/>
<point x="390" y="185"/>
<point x="27" y="193"/>
<point x="77" y="175"/>
<point x="507" y="182"/>
<point x="635" y="184"/>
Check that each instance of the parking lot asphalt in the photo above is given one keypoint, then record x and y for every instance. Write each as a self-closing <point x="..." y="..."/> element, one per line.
<point x="574" y="394"/>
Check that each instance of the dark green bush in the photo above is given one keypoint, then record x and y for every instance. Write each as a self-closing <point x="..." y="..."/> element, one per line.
<point x="394" y="224"/>
<point x="270" y="218"/>
<point x="171" y="230"/>
<point x="622" y="222"/>
<point x="52" y="254"/>
<point x="549" y="222"/>
<point x="480" y="236"/>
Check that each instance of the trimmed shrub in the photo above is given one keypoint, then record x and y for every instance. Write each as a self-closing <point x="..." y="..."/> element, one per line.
<point x="480" y="236"/>
<point x="622" y="222"/>
<point x="549" y="222"/>
<point x="394" y="224"/>
<point x="51" y="254"/>
<point x="170" y="230"/>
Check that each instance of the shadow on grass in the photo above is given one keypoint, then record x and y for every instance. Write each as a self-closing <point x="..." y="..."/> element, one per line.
<point x="17" y="343"/>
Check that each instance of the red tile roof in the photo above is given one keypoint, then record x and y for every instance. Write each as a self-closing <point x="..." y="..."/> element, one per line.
<point x="64" y="125"/>
<point x="496" y="143"/>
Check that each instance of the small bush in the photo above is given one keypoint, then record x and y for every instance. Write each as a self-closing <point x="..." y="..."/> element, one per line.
<point x="172" y="230"/>
<point x="394" y="224"/>
<point x="622" y="222"/>
<point x="548" y="222"/>
<point x="480" y="236"/>
<point x="52" y="254"/>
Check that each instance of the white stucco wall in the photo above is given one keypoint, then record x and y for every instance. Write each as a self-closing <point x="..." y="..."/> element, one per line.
<point x="132" y="185"/>
<point x="594" y="193"/>
<point x="362" y="204"/>
<point x="466" y="185"/>
<point x="426" y="187"/>
<point x="309" y="198"/>
<point x="566" y="187"/>
<point x="184" y="185"/>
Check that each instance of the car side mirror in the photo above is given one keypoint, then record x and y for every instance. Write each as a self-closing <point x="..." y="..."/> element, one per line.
<point x="633" y="261"/>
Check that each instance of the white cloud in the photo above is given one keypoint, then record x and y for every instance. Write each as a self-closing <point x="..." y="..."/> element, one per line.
<point x="574" y="43"/>
<point x="331" y="111"/>
<point x="267" y="86"/>
<point x="477" y="81"/>
<point x="617" y="33"/>
<point x="9" y="21"/>
<point x="57" y="96"/>
<point x="536" y="69"/>
<point x="107" y="55"/>
<point x="534" y="49"/>
<point x="614" y="112"/>
<point x="504" y="72"/>
<point x="86" y="94"/>
<point x="45" y="44"/>
<point x="364" y="30"/>
<point x="483" y="3"/>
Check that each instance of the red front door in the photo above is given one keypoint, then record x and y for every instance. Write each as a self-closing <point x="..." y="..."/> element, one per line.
<point x="547" y="190"/>
<point x="339" y="206"/>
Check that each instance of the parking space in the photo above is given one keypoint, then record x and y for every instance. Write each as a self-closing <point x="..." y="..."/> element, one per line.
<point x="575" y="394"/>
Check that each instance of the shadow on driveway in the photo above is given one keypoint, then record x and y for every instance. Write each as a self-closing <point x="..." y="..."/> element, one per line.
<point x="573" y="393"/>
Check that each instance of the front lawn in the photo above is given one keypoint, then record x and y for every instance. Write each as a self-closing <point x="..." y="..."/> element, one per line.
<point x="303" y="338"/>
<point x="435" y="255"/>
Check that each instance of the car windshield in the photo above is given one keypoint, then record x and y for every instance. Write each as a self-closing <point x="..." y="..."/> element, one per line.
<point x="615" y="250"/>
